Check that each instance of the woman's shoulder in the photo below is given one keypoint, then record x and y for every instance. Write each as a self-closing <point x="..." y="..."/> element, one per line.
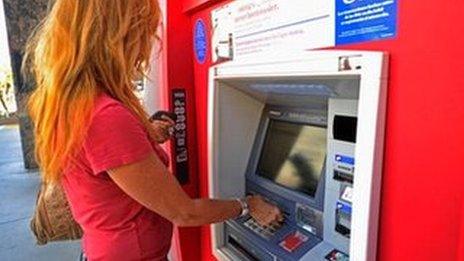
<point x="104" y="103"/>
<point x="107" y="108"/>
<point x="115" y="136"/>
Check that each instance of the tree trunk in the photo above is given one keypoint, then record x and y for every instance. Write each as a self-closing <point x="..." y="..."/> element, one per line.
<point x="22" y="16"/>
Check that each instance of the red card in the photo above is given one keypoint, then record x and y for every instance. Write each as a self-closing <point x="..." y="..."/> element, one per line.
<point x="293" y="241"/>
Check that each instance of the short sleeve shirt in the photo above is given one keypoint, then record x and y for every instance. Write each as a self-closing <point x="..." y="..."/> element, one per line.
<point x="116" y="227"/>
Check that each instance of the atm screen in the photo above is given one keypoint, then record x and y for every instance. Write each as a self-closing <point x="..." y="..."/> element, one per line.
<point x="293" y="155"/>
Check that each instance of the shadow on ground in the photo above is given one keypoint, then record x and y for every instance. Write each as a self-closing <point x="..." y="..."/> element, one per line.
<point x="18" y="190"/>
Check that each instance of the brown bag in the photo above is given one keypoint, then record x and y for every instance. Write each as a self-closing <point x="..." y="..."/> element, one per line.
<point x="52" y="219"/>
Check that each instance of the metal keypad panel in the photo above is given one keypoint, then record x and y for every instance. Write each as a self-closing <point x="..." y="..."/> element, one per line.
<point x="266" y="232"/>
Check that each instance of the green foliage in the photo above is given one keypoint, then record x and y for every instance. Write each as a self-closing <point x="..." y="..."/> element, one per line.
<point x="7" y="96"/>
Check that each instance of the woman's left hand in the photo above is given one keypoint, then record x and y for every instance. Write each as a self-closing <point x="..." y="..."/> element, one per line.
<point x="163" y="129"/>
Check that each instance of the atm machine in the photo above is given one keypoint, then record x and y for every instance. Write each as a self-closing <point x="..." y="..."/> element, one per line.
<point x="306" y="133"/>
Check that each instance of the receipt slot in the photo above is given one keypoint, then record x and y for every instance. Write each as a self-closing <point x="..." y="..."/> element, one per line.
<point x="307" y="135"/>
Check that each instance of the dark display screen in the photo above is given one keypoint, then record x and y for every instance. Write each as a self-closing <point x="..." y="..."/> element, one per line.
<point x="293" y="155"/>
<point x="344" y="128"/>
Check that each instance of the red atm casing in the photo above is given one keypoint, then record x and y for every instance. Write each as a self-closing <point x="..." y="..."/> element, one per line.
<point x="422" y="207"/>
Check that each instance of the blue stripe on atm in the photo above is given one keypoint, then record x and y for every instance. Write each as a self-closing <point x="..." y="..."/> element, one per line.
<point x="343" y="207"/>
<point x="344" y="159"/>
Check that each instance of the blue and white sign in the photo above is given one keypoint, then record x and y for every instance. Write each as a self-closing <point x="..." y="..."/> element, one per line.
<point x="364" y="20"/>
<point x="344" y="207"/>
<point x="344" y="159"/>
<point x="200" y="41"/>
<point x="254" y="29"/>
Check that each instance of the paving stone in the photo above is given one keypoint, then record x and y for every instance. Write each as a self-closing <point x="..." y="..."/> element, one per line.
<point x="18" y="191"/>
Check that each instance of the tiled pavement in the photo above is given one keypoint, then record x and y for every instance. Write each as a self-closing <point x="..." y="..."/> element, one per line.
<point x="18" y="189"/>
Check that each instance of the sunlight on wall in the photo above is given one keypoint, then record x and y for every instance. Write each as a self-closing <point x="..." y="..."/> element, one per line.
<point x="7" y="99"/>
<point x="4" y="51"/>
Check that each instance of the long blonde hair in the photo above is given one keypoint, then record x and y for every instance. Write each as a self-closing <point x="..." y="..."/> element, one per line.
<point x="83" y="48"/>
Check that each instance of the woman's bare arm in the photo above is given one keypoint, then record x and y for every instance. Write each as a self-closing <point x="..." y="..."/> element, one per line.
<point x="150" y="183"/>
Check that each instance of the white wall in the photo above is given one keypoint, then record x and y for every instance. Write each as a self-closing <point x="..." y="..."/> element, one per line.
<point x="156" y="94"/>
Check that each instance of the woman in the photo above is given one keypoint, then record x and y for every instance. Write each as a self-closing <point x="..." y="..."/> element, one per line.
<point x="93" y="136"/>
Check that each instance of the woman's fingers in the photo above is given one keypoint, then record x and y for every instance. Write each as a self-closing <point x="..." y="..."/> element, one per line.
<point x="168" y="120"/>
<point x="264" y="213"/>
<point x="163" y="130"/>
<point x="163" y="124"/>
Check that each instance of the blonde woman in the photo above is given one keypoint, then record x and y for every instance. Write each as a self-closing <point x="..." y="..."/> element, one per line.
<point x="93" y="136"/>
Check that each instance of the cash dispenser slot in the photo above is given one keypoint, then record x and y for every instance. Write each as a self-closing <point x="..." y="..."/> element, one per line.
<point x="242" y="247"/>
<point x="238" y="247"/>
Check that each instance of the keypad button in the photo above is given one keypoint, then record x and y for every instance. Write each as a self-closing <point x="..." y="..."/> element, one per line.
<point x="266" y="232"/>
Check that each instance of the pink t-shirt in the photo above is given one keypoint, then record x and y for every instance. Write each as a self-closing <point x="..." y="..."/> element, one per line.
<point x="116" y="227"/>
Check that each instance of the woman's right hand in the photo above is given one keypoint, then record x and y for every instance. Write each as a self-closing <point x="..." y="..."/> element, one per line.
<point x="263" y="212"/>
<point x="163" y="129"/>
